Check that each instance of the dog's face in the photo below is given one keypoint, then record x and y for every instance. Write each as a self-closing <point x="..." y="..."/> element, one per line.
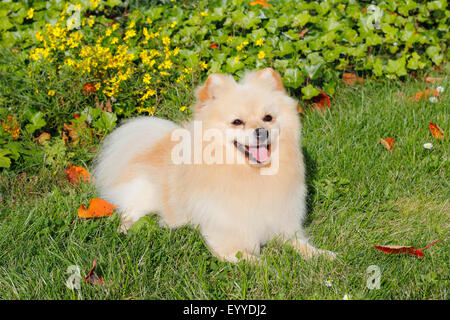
<point x="250" y="115"/>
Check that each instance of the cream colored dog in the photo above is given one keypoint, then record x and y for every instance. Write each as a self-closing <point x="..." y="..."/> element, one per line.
<point x="242" y="188"/>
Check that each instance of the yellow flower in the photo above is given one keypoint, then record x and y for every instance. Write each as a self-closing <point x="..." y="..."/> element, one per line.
<point x="261" y="54"/>
<point x="203" y="65"/>
<point x="30" y="13"/>
<point x="114" y="40"/>
<point x="39" y="36"/>
<point x="147" y="78"/>
<point x="132" y="24"/>
<point x="130" y="34"/>
<point x="108" y="32"/>
<point x="167" y="64"/>
<point x="182" y="108"/>
<point x="149" y="21"/>
<point x="115" y="26"/>
<point x="204" y="14"/>
<point x="166" y="41"/>
<point x="173" y="24"/>
<point x="259" y="42"/>
<point x="236" y="59"/>
<point x="91" y="21"/>
<point x="94" y="3"/>
<point x="51" y="93"/>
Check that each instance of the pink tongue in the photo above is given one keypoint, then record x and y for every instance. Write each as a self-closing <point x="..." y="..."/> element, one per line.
<point x="261" y="154"/>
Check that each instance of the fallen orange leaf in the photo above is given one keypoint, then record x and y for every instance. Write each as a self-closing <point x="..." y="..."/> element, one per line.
<point x="388" y="143"/>
<point x="98" y="208"/>
<point x="78" y="174"/>
<point x="433" y="80"/>
<point x="422" y="95"/>
<point x="404" y="249"/>
<point x="351" y="78"/>
<point x="436" y="131"/>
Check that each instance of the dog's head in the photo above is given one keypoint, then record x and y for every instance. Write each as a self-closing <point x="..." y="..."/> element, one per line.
<point x="252" y="115"/>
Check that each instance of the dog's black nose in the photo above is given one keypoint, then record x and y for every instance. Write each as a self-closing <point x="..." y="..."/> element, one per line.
<point x="261" y="134"/>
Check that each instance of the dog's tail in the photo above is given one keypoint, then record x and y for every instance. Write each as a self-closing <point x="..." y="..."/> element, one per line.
<point x="123" y="144"/>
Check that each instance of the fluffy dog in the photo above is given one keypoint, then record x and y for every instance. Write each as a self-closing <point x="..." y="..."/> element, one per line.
<point x="243" y="188"/>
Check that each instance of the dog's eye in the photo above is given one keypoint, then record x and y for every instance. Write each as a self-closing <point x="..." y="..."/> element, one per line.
<point x="237" y="122"/>
<point x="267" y="118"/>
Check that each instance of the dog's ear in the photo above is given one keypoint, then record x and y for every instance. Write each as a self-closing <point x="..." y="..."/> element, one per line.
<point x="265" y="78"/>
<point x="213" y="86"/>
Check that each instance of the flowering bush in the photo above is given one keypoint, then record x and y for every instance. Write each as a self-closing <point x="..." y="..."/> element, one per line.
<point x="101" y="60"/>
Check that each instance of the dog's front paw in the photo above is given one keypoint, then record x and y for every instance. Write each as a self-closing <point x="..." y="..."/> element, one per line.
<point x="308" y="251"/>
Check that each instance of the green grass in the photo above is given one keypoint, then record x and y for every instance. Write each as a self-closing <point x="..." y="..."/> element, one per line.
<point x="359" y="194"/>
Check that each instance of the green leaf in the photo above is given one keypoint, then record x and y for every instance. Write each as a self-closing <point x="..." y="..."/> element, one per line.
<point x="5" y="162"/>
<point x="280" y="65"/>
<point x="36" y="122"/>
<point x="233" y="64"/>
<point x="285" y="48"/>
<point x="309" y="92"/>
<point x="397" y="67"/>
<point x="5" y="24"/>
<point x="106" y="122"/>
<point x="433" y="53"/>
<point x="415" y="63"/>
<point x="312" y="70"/>
<point x="292" y="78"/>
<point x="436" y="5"/>
<point x="300" y="19"/>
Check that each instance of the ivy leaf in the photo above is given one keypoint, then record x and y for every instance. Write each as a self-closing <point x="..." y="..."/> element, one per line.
<point x="309" y="92"/>
<point x="292" y="78"/>
<point x="433" y="53"/>
<point x="414" y="62"/>
<point x="301" y="19"/>
<point x="285" y="48"/>
<point x="397" y="67"/>
<point x="311" y="70"/>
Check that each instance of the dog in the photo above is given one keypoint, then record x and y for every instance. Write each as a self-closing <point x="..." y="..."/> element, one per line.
<point x="242" y="189"/>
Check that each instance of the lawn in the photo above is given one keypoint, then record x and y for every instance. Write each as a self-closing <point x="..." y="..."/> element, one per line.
<point x="360" y="194"/>
<point x="71" y="72"/>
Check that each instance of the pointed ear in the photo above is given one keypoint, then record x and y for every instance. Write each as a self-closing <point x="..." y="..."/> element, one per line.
<point x="213" y="86"/>
<point x="265" y="78"/>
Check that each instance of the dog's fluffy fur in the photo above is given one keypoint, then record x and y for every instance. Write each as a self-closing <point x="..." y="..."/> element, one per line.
<point x="236" y="208"/>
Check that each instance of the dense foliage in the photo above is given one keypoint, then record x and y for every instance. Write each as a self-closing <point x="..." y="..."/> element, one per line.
<point x="70" y="69"/>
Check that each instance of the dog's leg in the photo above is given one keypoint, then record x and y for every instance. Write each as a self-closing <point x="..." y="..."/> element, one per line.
<point x="227" y="249"/>
<point x="308" y="251"/>
<point x="135" y="199"/>
<point x="233" y="257"/>
<point x="129" y="217"/>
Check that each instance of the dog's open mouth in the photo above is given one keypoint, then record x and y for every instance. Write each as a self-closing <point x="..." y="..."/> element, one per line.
<point x="257" y="154"/>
